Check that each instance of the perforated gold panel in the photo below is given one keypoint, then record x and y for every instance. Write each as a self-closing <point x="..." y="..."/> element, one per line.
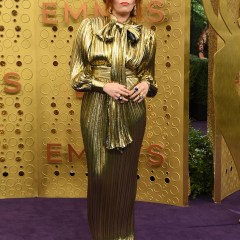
<point x="41" y="134"/>
<point x="230" y="179"/>
<point x="230" y="176"/>
<point x="17" y="101"/>
<point x="226" y="80"/>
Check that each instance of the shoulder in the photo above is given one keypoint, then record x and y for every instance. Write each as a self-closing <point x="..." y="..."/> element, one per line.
<point x="149" y="40"/>
<point x="91" y="20"/>
<point x="93" y="23"/>
<point x="148" y="34"/>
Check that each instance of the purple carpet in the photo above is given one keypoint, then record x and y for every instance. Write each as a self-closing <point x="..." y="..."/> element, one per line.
<point x="66" y="219"/>
<point x="200" y="125"/>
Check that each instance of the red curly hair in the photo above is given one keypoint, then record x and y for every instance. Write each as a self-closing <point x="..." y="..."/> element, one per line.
<point x="108" y="4"/>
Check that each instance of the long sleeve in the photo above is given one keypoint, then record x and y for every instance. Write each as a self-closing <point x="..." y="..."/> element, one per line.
<point x="147" y="67"/>
<point x="81" y="76"/>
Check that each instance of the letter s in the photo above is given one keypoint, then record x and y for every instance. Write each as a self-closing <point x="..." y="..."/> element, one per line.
<point x="11" y="79"/>
<point x="153" y="10"/>
<point x="156" y="154"/>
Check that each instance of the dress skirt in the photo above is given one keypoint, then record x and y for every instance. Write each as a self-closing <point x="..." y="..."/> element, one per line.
<point x="112" y="173"/>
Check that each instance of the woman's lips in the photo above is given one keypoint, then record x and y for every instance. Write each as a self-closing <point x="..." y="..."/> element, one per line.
<point x="124" y="3"/>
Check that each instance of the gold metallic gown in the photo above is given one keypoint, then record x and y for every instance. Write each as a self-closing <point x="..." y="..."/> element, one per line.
<point x="107" y="51"/>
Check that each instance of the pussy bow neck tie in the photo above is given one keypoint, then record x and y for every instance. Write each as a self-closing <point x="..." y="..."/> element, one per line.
<point x="120" y="36"/>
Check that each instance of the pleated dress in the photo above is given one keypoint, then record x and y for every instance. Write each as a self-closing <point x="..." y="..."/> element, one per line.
<point x="107" y="51"/>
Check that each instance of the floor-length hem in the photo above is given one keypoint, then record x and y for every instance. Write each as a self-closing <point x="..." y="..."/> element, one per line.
<point x="112" y="178"/>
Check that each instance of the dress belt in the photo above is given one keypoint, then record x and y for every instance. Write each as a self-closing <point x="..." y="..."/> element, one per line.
<point x="103" y="73"/>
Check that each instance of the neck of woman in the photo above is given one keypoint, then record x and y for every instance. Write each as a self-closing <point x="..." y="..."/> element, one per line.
<point x="121" y="18"/>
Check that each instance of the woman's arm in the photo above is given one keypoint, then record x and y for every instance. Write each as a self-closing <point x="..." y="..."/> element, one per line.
<point x="81" y="77"/>
<point x="146" y="71"/>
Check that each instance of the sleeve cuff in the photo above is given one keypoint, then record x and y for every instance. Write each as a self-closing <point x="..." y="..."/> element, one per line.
<point x="98" y="86"/>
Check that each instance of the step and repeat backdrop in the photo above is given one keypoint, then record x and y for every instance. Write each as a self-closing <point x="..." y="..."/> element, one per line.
<point x="41" y="149"/>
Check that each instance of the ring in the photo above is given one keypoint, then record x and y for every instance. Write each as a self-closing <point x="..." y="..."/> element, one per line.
<point x="135" y="89"/>
<point x="141" y="96"/>
<point x="120" y="98"/>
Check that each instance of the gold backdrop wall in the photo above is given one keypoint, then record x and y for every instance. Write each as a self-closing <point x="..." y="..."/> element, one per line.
<point x="230" y="181"/>
<point x="41" y="145"/>
<point x="223" y="116"/>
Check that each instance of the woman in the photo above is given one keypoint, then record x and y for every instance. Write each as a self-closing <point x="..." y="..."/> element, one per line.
<point x="113" y="62"/>
<point x="203" y="43"/>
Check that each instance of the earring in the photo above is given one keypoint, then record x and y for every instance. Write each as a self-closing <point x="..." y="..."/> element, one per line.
<point x="110" y="10"/>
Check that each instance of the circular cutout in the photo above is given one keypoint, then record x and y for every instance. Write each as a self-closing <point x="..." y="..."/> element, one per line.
<point x="27" y="101"/>
<point x="46" y="89"/>
<point x="21" y="173"/>
<point x="60" y="44"/>
<point x="28" y="156"/>
<point x="44" y="101"/>
<point x="44" y="34"/>
<point x="27" y="74"/>
<point x="29" y="142"/>
<point x="12" y="117"/>
<point x="28" y="87"/>
<point x="25" y="18"/>
<point x="176" y="90"/>
<point x="45" y="59"/>
<point x="168" y="28"/>
<point x="63" y="59"/>
<point x="27" y="59"/>
<point x="44" y="72"/>
<point x="175" y="44"/>
<point x="9" y="127"/>
<point x="28" y="182"/>
<point x="60" y="72"/>
<point x="8" y="4"/>
<point x="6" y="17"/>
<point x="174" y="132"/>
<point x="28" y="127"/>
<point x="177" y="33"/>
<point x="27" y="34"/>
<point x="7" y="43"/>
<point x="43" y="44"/>
<point x="10" y="33"/>
<point x="26" y="4"/>
<point x="29" y="117"/>
<point x="68" y="49"/>
<point x="26" y="44"/>
<point x="15" y="48"/>
<point x="176" y="16"/>
<point x="12" y="142"/>
<point x="11" y="59"/>
<point x="5" y="174"/>
<point x="45" y="127"/>
<point x="62" y="34"/>
<point x="10" y="155"/>
<point x="9" y="101"/>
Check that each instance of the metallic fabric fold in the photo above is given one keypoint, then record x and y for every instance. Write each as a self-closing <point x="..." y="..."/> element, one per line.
<point x="118" y="134"/>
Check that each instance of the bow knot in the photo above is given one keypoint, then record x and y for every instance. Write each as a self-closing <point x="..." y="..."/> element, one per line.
<point x="108" y="32"/>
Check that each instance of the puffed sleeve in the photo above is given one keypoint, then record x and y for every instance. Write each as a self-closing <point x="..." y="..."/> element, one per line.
<point x="147" y="67"/>
<point x="81" y="78"/>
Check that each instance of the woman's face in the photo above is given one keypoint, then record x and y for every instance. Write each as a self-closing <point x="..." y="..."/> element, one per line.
<point x="123" y="7"/>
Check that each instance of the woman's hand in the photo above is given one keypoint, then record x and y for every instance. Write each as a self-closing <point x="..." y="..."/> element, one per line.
<point x="139" y="92"/>
<point x="117" y="91"/>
